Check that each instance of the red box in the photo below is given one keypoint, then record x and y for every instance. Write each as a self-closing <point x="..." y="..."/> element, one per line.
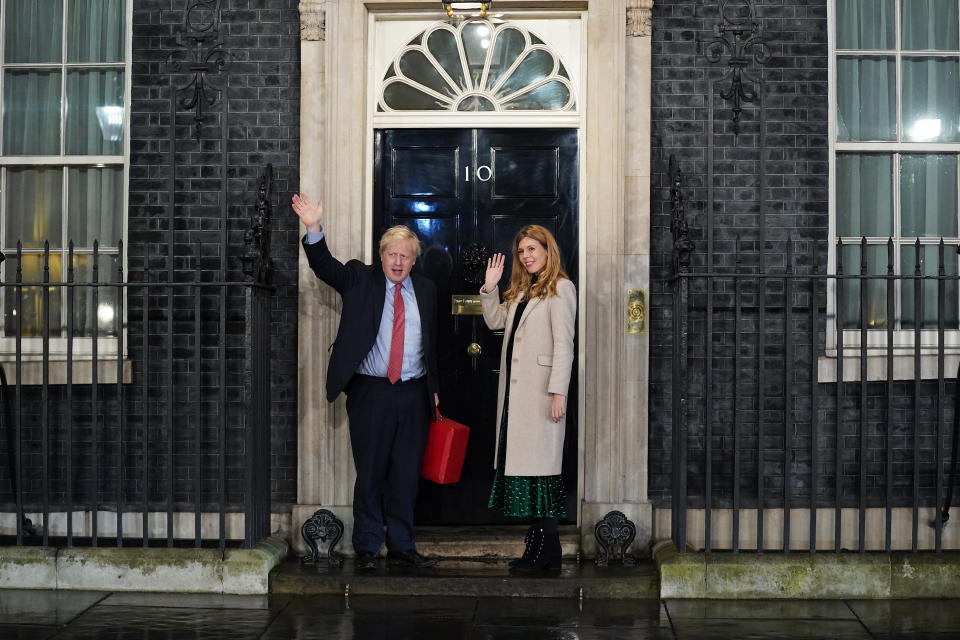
<point x="446" y="448"/>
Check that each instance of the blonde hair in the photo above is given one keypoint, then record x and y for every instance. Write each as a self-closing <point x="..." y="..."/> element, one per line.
<point x="400" y="232"/>
<point x="521" y="282"/>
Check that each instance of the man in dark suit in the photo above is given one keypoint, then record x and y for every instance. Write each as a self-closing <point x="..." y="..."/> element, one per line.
<point x="384" y="358"/>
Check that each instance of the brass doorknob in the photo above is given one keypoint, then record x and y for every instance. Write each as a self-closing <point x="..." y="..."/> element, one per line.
<point x="473" y="350"/>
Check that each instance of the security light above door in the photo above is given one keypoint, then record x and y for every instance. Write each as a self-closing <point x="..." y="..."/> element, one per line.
<point x="452" y="7"/>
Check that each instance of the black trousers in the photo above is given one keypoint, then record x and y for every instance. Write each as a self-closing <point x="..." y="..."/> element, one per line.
<point x="389" y="424"/>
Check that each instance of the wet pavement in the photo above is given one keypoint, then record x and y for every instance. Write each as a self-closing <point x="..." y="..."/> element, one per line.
<point x="39" y="615"/>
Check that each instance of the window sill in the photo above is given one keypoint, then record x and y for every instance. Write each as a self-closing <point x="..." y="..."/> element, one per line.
<point x="904" y="367"/>
<point x="31" y="372"/>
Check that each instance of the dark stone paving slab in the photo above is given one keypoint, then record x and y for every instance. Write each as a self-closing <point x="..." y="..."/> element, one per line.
<point x="27" y="631"/>
<point x="196" y="601"/>
<point x="28" y="606"/>
<point x="723" y="629"/>
<point x="915" y="619"/>
<point x="623" y="614"/>
<point x="129" y="623"/>
<point x="760" y="609"/>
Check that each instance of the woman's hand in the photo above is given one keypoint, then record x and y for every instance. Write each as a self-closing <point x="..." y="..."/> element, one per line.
<point x="310" y="214"/>
<point x="559" y="407"/>
<point x="494" y="272"/>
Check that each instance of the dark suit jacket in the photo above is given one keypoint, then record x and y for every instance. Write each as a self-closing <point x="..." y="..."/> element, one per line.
<point x="362" y="287"/>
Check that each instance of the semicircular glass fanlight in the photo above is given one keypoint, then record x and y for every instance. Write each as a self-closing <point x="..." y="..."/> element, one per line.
<point x="477" y="65"/>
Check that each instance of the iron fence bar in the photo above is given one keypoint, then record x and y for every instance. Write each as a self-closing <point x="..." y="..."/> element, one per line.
<point x="738" y="299"/>
<point x="222" y="446"/>
<point x="19" y="375"/>
<point x="679" y="435"/>
<point x="45" y="394"/>
<point x="71" y="295"/>
<point x="145" y="381"/>
<point x="941" y="390"/>
<point x="94" y="382"/>
<point x="708" y="419"/>
<point x="198" y="433"/>
<point x="120" y="395"/>
<point x="761" y="400"/>
<point x="814" y="411"/>
<point x="838" y="291"/>
<point x="891" y="318"/>
<point x="916" y="397"/>
<point x="787" y="395"/>
<point x="862" y="510"/>
<point x="224" y="221"/>
<point x="170" y="400"/>
<point x="171" y="254"/>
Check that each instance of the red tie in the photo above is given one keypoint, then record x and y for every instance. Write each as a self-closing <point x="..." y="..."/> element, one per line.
<point x="396" y="342"/>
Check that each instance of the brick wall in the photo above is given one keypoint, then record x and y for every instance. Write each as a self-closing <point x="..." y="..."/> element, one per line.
<point x="261" y="83"/>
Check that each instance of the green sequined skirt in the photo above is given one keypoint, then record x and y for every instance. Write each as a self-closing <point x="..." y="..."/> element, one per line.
<point x="530" y="496"/>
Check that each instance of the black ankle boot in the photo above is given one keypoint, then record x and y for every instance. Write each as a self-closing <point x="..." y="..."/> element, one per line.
<point x="545" y="554"/>
<point x="527" y="540"/>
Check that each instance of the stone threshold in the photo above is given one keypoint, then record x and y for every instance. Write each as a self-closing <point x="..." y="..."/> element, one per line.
<point x="806" y="576"/>
<point x="190" y="570"/>
<point x="464" y="577"/>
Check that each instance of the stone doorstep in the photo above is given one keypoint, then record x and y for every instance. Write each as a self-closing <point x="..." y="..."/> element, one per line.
<point x="233" y="571"/>
<point x="871" y="575"/>
<point x="472" y="578"/>
<point x="485" y="542"/>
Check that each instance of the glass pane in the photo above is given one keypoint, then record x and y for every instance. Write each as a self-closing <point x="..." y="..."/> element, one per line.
<point x="929" y="25"/>
<point x="931" y="99"/>
<point x="864" y="195"/>
<point x="476" y="41"/>
<point x="416" y="66"/>
<point x="403" y="97"/>
<point x="866" y="98"/>
<point x="33" y="31"/>
<point x="33" y="309"/>
<point x="476" y="103"/>
<point x="928" y="195"/>
<point x="103" y="310"/>
<point x="552" y="96"/>
<point x="95" y="30"/>
<point x="94" y="205"/>
<point x="33" y="206"/>
<point x="535" y="67"/>
<point x="95" y="112"/>
<point x="508" y="47"/>
<point x="929" y="266"/>
<point x="443" y="45"/>
<point x="875" y="310"/>
<point x="865" y="24"/>
<point x="31" y="112"/>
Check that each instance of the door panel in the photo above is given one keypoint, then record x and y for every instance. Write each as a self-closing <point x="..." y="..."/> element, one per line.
<point x="466" y="193"/>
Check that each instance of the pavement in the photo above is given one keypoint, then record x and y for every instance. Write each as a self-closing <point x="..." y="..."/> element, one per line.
<point x="39" y="615"/>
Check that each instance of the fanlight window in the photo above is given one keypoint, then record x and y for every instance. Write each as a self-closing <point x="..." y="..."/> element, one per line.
<point x="476" y="66"/>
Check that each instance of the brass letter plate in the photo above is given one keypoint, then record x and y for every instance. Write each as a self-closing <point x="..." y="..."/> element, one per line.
<point x="466" y="305"/>
<point x="636" y="311"/>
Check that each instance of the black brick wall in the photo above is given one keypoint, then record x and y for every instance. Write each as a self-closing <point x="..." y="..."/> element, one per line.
<point x="262" y="123"/>
<point x="793" y="143"/>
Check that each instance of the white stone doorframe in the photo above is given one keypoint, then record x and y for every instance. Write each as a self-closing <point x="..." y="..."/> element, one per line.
<point x="614" y="247"/>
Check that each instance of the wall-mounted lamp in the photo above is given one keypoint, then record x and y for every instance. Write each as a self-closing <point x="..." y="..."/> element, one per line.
<point x="451" y="7"/>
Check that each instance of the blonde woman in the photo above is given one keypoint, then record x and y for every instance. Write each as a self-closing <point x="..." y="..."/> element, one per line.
<point x="538" y="316"/>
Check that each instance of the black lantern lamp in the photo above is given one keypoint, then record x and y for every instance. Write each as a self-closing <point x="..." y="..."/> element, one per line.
<point x="482" y="7"/>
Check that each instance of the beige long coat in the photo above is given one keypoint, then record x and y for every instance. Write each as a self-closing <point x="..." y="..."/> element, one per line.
<point x="542" y="362"/>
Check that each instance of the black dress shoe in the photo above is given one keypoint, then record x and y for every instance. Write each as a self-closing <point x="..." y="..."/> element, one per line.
<point x="365" y="561"/>
<point x="410" y="559"/>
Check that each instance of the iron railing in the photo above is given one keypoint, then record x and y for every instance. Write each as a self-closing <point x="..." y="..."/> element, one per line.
<point x="777" y="412"/>
<point x="174" y="447"/>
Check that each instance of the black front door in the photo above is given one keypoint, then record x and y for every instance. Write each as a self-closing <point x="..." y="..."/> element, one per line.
<point x="466" y="193"/>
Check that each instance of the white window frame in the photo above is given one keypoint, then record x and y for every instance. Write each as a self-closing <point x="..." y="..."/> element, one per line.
<point x="903" y="340"/>
<point x="32" y="347"/>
